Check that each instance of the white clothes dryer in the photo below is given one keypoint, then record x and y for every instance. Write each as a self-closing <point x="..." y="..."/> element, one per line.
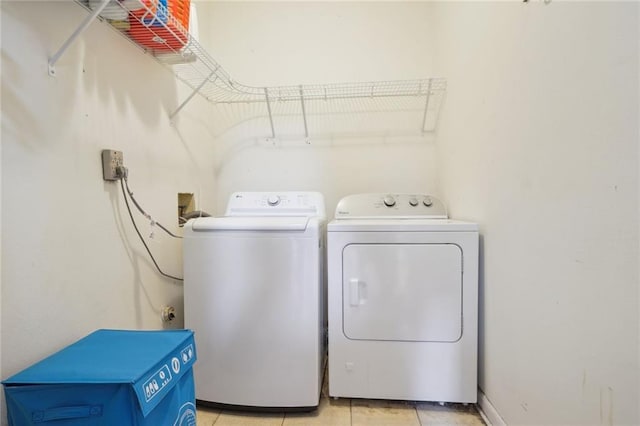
<point x="254" y="295"/>
<point x="402" y="300"/>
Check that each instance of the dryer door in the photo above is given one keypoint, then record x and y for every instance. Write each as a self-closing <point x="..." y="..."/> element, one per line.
<point x="402" y="292"/>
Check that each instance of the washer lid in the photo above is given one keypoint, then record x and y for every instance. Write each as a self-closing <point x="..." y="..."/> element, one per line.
<point x="386" y="205"/>
<point x="269" y="223"/>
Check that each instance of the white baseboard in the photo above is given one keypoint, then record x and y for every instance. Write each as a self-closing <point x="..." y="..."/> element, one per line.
<point x="488" y="411"/>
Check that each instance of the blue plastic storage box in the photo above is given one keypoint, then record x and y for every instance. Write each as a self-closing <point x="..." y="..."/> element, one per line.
<point x="110" y="377"/>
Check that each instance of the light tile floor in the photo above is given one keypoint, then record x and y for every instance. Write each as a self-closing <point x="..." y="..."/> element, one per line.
<point x="351" y="412"/>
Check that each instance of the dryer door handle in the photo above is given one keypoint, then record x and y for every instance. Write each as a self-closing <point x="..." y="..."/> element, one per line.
<point x="354" y="292"/>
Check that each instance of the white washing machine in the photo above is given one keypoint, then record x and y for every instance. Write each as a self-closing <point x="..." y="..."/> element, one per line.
<point x="403" y="297"/>
<point x="253" y="294"/>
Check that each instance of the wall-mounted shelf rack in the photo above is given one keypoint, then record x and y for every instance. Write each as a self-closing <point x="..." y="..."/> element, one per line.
<point x="158" y="32"/>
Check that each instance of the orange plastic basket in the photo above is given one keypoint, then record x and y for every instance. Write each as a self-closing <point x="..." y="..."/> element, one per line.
<point x="162" y="25"/>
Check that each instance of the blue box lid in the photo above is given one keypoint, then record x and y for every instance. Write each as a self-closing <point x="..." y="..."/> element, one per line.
<point x="152" y="362"/>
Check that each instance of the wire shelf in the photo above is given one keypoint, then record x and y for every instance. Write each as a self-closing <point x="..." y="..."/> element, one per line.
<point x="160" y="33"/>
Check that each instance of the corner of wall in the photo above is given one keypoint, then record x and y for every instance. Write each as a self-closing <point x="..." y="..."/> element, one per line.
<point x="488" y="412"/>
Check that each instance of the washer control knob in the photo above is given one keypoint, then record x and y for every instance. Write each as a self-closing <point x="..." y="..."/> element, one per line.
<point x="389" y="201"/>
<point x="413" y="202"/>
<point x="427" y="201"/>
<point x="273" y="200"/>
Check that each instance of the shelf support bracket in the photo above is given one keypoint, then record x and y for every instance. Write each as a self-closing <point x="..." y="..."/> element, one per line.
<point x="426" y="106"/>
<point x="83" y="26"/>
<point x="191" y="96"/>
<point x="266" y="96"/>
<point x="304" y="114"/>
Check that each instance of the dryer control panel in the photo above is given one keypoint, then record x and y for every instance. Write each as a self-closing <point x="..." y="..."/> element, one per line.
<point x="285" y="203"/>
<point x="386" y="205"/>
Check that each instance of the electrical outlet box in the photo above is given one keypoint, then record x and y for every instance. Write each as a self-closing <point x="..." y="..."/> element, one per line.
<point x="111" y="160"/>
<point x="186" y="204"/>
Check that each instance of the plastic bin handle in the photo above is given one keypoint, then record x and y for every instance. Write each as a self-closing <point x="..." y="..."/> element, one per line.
<point x="62" y="413"/>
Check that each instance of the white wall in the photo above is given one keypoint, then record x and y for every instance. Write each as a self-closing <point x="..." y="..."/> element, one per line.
<point x="71" y="262"/>
<point x="290" y="43"/>
<point x="539" y="143"/>
<point x="2" y="409"/>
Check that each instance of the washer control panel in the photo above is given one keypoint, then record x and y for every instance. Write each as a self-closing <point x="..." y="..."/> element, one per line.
<point x="378" y="206"/>
<point x="285" y="203"/>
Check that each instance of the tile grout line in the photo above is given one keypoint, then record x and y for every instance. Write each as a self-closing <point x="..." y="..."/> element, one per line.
<point x="351" y="412"/>
<point x="415" y="408"/>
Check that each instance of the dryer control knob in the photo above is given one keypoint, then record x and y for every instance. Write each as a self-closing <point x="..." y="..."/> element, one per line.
<point x="273" y="200"/>
<point x="427" y="202"/>
<point x="389" y="201"/>
<point x="413" y="202"/>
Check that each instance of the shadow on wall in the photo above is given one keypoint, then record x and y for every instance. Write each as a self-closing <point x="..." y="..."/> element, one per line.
<point x="140" y="86"/>
<point x="481" y="318"/>
<point x="140" y="289"/>
<point x="100" y="64"/>
<point x="91" y="69"/>
<point x="18" y="121"/>
<point x="325" y="124"/>
<point x="26" y="86"/>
